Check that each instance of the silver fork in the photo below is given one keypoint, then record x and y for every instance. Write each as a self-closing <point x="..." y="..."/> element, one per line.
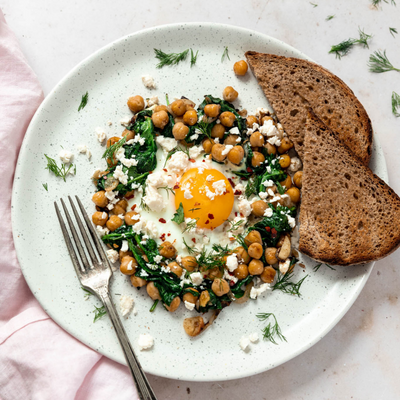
<point x="94" y="273"/>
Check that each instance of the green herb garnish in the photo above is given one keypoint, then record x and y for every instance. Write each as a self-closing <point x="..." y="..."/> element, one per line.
<point x="376" y="3"/>
<point x="284" y="284"/>
<point x="99" y="312"/>
<point x="329" y="17"/>
<point x="84" y="101"/>
<point x="235" y="225"/>
<point x="271" y="330"/>
<point x="378" y="63"/>
<point x="168" y="189"/>
<point x="393" y="31"/>
<point x="225" y="54"/>
<point x="88" y="293"/>
<point x="395" y="104"/>
<point x="188" y="248"/>
<point x="191" y="225"/>
<point x="60" y="172"/>
<point x="193" y="57"/>
<point x="153" y="307"/>
<point x="343" y="48"/>
<point x="45" y="186"/>
<point x="318" y="266"/>
<point x="109" y="153"/>
<point x="170" y="59"/>
<point x="179" y="216"/>
<point x="314" y="5"/>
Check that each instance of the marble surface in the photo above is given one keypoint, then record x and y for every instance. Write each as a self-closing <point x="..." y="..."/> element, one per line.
<point x="359" y="358"/>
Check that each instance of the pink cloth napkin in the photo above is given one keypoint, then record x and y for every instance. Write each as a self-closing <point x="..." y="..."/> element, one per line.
<point x="38" y="360"/>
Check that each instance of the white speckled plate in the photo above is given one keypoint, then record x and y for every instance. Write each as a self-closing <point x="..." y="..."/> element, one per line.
<point x="110" y="76"/>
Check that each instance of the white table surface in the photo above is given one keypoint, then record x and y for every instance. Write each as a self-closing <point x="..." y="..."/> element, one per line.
<point x="360" y="357"/>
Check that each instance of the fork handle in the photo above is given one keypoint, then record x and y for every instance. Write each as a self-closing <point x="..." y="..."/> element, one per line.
<point x="142" y="384"/>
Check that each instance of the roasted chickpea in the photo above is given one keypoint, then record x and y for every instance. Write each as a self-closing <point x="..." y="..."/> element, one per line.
<point x="294" y="194"/>
<point x="128" y="134"/>
<point x="284" y="161"/>
<point x="100" y="199"/>
<point x="152" y="291"/>
<point x="175" y="268"/>
<point x="137" y="282"/>
<point x="160" y="119"/>
<point x="190" y="297"/>
<point x="241" y="271"/>
<point x="286" y="145"/>
<point x="131" y="217"/>
<point x="123" y="254"/>
<point x="118" y="210"/>
<point x="190" y="117"/>
<point x="193" y="326"/>
<point x="112" y="140"/>
<point x="167" y="249"/>
<point x="180" y="131"/>
<point x="208" y="145"/>
<point x="178" y="107"/>
<point x="100" y="218"/>
<point x="220" y="287"/>
<point x="232" y="140"/>
<point x="287" y="182"/>
<point x="227" y="119"/>
<point x="242" y="255"/>
<point x="114" y="223"/>
<point x="160" y="108"/>
<point x="174" y="304"/>
<point x="298" y="179"/>
<point x="271" y="149"/>
<point x="214" y="273"/>
<point x="135" y="103"/>
<point x="212" y="110"/>
<point x="268" y="275"/>
<point x="230" y="94"/>
<point x="128" y="265"/>
<point x="250" y="120"/>
<point x="122" y="203"/>
<point x="265" y="118"/>
<point x="256" y="267"/>
<point x="253" y="237"/>
<point x="256" y="139"/>
<point x="189" y="263"/>
<point x="204" y="298"/>
<point x="235" y="156"/>
<point x="258" y="159"/>
<point x="217" y="152"/>
<point x="259" y="207"/>
<point x="270" y="255"/>
<point x="255" y="250"/>
<point x="240" y="68"/>
<point x="218" y="131"/>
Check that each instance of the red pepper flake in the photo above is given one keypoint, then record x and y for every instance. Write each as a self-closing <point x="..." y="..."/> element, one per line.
<point x="211" y="216"/>
<point x="162" y="220"/>
<point x="231" y="283"/>
<point x="133" y="207"/>
<point x="165" y="169"/>
<point x="274" y="233"/>
<point x="237" y="193"/>
<point x="268" y="229"/>
<point x="176" y="187"/>
<point x="235" y="214"/>
<point x="231" y="182"/>
<point x="197" y="204"/>
<point x="194" y="240"/>
<point x="207" y="222"/>
<point x="191" y="160"/>
<point x="150" y="172"/>
<point x="162" y="237"/>
<point x="248" y="169"/>
<point x="131" y="196"/>
<point x="204" y="161"/>
<point x="169" y="234"/>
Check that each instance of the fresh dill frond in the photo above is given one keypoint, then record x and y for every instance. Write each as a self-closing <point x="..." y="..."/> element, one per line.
<point x="87" y="293"/>
<point x="167" y="99"/>
<point x="393" y="31"/>
<point x="153" y="307"/>
<point x="175" y="150"/>
<point x="376" y="3"/>
<point x="314" y="5"/>
<point x="329" y="17"/>
<point x="189" y="249"/>
<point x="378" y="63"/>
<point x="45" y="186"/>
<point x="364" y="37"/>
<point x="284" y="284"/>
<point x="109" y="153"/>
<point x="194" y="209"/>
<point x="204" y="128"/>
<point x="171" y="58"/>
<point x="234" y="225"/>
<point x="240" y="240"/>
<point x="60" y="172"/>
<point x="272" y="330"/>
<point x="225" y="54"/>
<point x="395" y="104"/>
<point x="193" y="57"/>
<point x="84" y="101"/>
<point x="168" y="189"/>
<point x="191" y="225"/>
<point x="344" y="47"/>
<point x="99" y="312"/>
<point x="318" y="266"/>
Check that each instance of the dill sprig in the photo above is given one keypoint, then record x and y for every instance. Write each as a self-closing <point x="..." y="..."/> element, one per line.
<point x="168" y="189"/>
<point x="376" y="3"/>
<point x="191" y="225"/>
<point x="234" y="225"/>
<point x="396" y="104"/>
<point x="205" y="128"/>
<point x="213" y="258"/>
<point x="194" y="209"/>
<point x="84" y="101"/>
<point x="193" y="57"/>
<point x="171" y="58"/>
<point x="62" y="171"/>
<point x="329" y="17"/>
<point x="272" y="330"/>
<point x="153" y="307"/>
<point x="45" y="186"/>
<point x="109" y="153"/>
<point x="284" y="284"/>
<point x="225" y="54"/>
<point x="99" y="312"/>
<point x="87" y="293"/>
<point x="318" y="266"/>
<point x="343" y="48"/>
<point x="190" y="250"/>
<point x="378" y="63"/>
<point x="393" y="31"/>
<point x="314" y="5"/>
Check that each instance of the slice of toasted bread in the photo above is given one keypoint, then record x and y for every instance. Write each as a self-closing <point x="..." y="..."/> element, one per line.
<point x="292" y="85"/>
<point x="348" y="215"/>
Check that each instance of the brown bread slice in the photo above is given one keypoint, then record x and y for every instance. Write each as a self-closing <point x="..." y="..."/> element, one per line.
<point x="292" y="85"/>
<point x="348" y="215"/>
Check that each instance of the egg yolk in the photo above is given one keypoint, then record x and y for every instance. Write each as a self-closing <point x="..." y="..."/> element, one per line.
<point x="206" y="195"/>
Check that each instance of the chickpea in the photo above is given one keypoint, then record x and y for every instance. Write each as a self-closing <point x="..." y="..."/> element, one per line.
<point x="128" y="265"/>
<point x="212" y="110"/>
<point x="189" y="263"/>
<point x="100" y="199"/>
<point x="122" y="203"/>
<point x="114" y="223"/>
<point x="128" y="134"/>
<point x="135" y="104"/>
<point x="175" y="268"/>
<point x="271" y="149"/>
<point x="286" y="145"/>
<point x="218" y="131"/>
<point x="287" y="182"/>
<point x="178" y="107"/>
<point x="253" y="237"/>
<point x="100" y="218"/>
<point x="190" y="117"/>
<point x="118" y="210"/>
<point x="220" y="287"/>
<point x="241" y="271"/>
<point x="268" y="275"/>
<point x="230" y="94"/>
<point x="137" y="282"/>
<point x="232" y="140"/>
<point x="235" y="156"/>
<point x="258" y="159"/>
<point x="160" y="119"/>
<point x="259" y="207"/>
<point x="208" y="145"/>
<point x="204" y="298"/>
<point x="298" y="179"/>
<point x="227" y="119"/>
<point x="131" y="217"/>
<point x="265" y="119"/>
<point x="256" y="139"/>
<point x="214" y="273"/>
<point x="123" y="254"/>
<point x="294" y="194"/>
<point x="284" y="161"/>
<point x="167" y="250"/>
<point x="112" y="140"/>
<point x="190" y="297"/>
<point x="174" y="304"/>
<point x="250" y="120"/>
<point x="160" y="108"/>
<point x="256" y="267"/>
<point x="240" y="68"/>
<point x="255" y="250"/>
<point x="217" y="151"/>
<point x="180" y="131"/>
<point x="152" y="291"/>
<point x="242" y="255"/>
<point x="270" y="255"/>
<point x="193" y="326"/>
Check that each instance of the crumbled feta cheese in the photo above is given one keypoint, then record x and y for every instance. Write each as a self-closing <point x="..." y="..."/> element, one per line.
<point x="187" y="194"/>
<point x="295" y="164"/>
<point x="244" y="343"/>
<point x="145" y="342"/>
<point x="100" y="134"/>
<point x="232" y="262"/>
<point x="158" y="259"/>
<point x="125" y="121"/>
<point x="152" y="101"/>
<point x="238" y="140"/>
<point x="268" y="212"/>
<point x="227" y="149"/>
<point x="219" y="187"/>
<point x="151" y="229"/>
<point x="234" y="131"/>
<point x="263" y="195"/>
<point x="268" y="128"/>
<point x="291" y="221"/>
<point x="178" y="162"/>
<point x="255" y="292"/>
<point x="196" y="278"/>
<point x="125" y="246"/>
<point x="209" y="178"/>
<point x="261" y="110"/>
<point x="268" y="183"/>
<point x="112" y="199"/>
<point x="66" y="156"/>
<point x="82" y="148"/>
<point x="126" y="305"/>
<point x="129" y="267"/>
<point x="112" y="255"/>
<point x="102" y="230"/>
<point x="178" y="259"/>
<point x="190" y="306"/>
<point x="121" y="175"/>
<point x="274" y="140"/>
<point x="148" y="81"/>
<point x="271" y="192"/>
<point x="284" y="266"/>
<point x="194" y="137"/>
<point x="244" y="206"/>
<point x="167" y="144"/>
<point x="254" y="337"/>
<point x="153" y="199"/>
<point x="228" y="277"/>
<point x="195" y="151"/>
<point x="209" y="193"/>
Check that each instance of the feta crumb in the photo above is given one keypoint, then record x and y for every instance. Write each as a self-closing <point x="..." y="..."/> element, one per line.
<point x="178" y="259"/>
<point x="255" y="292"/>
<point x="100" y="134"/>
<point x="152" y="101"/>
<point x="125" y="246"/>
<point x="148" y="81"/>
<point x="291" y="221"/>
<point x="125" y="121"/>
<point x="102" y="230"/>
<point x="112" y="255"/>
<point x="232" y="262"/>
<point x="178" y="162"/>
<point x="120" y="175"/>
<point x="234" y="131"/>
<point x="244" y="343"/>
<point x="195" y="151"/>
<point x="227" y="149"/>
<point x="268" y="212"/>
<point x="196" y="278"/>
<point x="254" y="337"/>
<point x="126" y="305"/>
<point x="209" y="178"/>
<point x="271" y="192"/>
<point x="66" y="156"/>
<point x="158" y="259"/>
<point x="219" y="187"/>
<point x="295" y="164"/>
<point x="244" y="207"/>
<point x="167" y="144"/>
<point x="190" y="306"/>
<point x="194" y="137"/>
<point x="145" y="341"/>
<point x="268" y="183"/>
<point x="209" y="193"/>
<point x="83" y="149"/>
